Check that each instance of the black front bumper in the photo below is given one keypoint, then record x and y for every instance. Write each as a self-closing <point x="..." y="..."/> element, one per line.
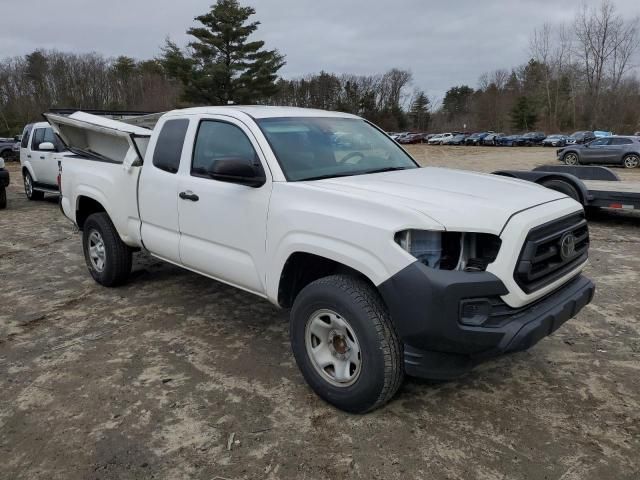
<point x="427" y="307"/>
<point x="4" y="178"/>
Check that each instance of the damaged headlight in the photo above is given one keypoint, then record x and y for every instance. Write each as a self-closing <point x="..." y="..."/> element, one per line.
<point x="471" y="252"/>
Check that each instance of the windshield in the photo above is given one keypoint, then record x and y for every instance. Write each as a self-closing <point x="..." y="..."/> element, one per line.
<point x="310" y="148"/>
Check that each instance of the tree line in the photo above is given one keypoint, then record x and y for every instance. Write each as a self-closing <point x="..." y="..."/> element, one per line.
<point x="579" y="76"/>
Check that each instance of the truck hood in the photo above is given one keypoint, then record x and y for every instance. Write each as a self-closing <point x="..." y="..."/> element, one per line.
<point x="459" y="200"/>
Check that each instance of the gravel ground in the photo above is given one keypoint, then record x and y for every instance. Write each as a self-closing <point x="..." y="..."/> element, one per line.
<point x="176" y="376"/>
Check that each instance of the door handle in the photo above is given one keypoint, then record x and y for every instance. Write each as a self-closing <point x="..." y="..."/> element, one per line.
<point x="28" y="156"/>
<point x="189" y="195"/>
<point x="41" y="158"/>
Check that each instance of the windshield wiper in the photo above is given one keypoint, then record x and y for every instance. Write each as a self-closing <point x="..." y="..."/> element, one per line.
<point x="385" y="169"/>
<point x="359" y="172"/>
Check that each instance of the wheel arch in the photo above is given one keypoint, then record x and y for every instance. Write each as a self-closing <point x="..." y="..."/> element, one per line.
<point x="302" y="267"/>
<point x="87" y="205"/>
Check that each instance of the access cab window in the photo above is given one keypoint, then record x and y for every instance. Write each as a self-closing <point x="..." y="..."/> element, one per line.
<point x="217" y="141"/>
<point x="168" y="151"/>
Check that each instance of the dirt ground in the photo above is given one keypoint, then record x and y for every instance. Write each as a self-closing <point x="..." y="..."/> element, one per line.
<point x="176" y="376"/>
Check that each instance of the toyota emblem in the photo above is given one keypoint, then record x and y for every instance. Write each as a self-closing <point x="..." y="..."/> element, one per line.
<point x="567" y="246"/>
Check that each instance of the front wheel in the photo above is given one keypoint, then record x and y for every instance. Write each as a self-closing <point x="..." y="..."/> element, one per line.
<point x="570" y="158"/>
<point x="107" y="257"/>
<point x="345" y="344"/>
<point x="631" y="161"/>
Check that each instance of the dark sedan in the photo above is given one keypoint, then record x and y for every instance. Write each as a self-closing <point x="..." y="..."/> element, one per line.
<point x="475" y="138"/>
<point x="615" y="150"/>
<point x="581" y="137"/>
<point x="412" y="138"/>
<point x="508" y="141"/>
<point x="492" y="139"/>
<point x="556" y="140"/>
<point x="530" y="139"/>
<point x="458" y="139"/>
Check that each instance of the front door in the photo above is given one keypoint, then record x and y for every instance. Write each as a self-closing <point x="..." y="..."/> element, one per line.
<point x="45" y="168"/>
<point x="598" y="151"/>
<point x="223" y="225"/>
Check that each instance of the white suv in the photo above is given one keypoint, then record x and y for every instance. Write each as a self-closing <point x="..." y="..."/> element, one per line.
<point x="38" y="160"/>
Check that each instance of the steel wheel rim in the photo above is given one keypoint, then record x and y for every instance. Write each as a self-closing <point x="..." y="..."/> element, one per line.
<point x="28" y="187"/>
<point x="333" y="348"/>
<point x="631" y="161"/>
<point x="571" y="159"/>
<point x="97" y="254"/>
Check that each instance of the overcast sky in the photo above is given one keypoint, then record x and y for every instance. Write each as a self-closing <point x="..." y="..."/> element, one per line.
<point x="443" y="43"/>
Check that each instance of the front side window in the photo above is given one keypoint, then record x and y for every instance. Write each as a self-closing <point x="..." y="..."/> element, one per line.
<point x="168" y="151"/>
<point x="217" y="141"/>
<point x="600" y="142"/>
<point x="38" y="138"/>
<point x="310" y="148"/>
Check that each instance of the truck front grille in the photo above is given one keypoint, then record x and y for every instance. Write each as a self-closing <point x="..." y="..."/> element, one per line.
<point x="551" y="251"/>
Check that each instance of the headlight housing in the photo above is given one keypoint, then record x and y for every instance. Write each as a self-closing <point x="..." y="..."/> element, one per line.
<point x="468" y="251"/>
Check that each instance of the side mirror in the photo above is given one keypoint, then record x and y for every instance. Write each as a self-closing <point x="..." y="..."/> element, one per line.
<point x="47" y="147"/>
<point x="238" y="170"/>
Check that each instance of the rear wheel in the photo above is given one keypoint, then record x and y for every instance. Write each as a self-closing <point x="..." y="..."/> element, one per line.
<point x="563" y="187"/>
<point x="345" y="344"/>
<point x="631" y="161"/>
<point x="107" y="257"/>
<point x="29" y="189"/>
<point x="570" y="158"/>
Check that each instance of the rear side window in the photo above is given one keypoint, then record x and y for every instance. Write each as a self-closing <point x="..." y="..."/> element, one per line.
<point x="25" y="137"/>
<point x="621" y="141"/>
<point x="168" y="151"/>
<point x="220" y="141"/>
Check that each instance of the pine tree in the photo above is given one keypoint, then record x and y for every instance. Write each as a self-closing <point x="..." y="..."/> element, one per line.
<point x="419" y="112"/>
<point x="224" y="66"/>
<point x="523" y="114"/>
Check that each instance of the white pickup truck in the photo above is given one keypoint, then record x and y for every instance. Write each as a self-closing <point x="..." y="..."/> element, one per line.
<point x="388" y="268"/>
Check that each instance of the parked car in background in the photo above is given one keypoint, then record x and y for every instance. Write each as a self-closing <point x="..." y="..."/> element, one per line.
<point x="580" y="137"/>
<point x="637" y="134"/>
<point x="615" y="150"/>
<point x="602" y="133"/>
<point x="475" y="138"/>
<point x="412" y="139"/>
<point x="531" y="139"/>
<point x="492" y="139"/>
<point x="7" y="148"/>
<point x="439" y="138"/>
<point x="38" y="160"/>
<point x="458" y="139"/>
<point x="4" y="183"/>
<point x="508" y="141"/>
<point x="398" y="136"/>
<point x="555" y="140"/>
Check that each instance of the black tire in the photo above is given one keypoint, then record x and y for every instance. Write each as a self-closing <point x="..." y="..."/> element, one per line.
<point x="631" y="161"/>
<point x="3" y="198"/>
<point x="563" y="187"/>
<point x="117" y="256"/>
<point x="571" y="159"/>
<point x="28" y="188"/>
<point x="381" y="372"/>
